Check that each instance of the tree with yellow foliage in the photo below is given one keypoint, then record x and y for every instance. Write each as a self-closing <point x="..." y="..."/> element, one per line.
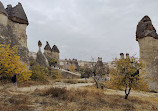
<point x="10" y="64"/>
<point x="126" y="75"/>
<point x="72" y="68"/>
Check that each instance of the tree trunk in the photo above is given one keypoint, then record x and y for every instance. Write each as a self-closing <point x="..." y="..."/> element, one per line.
<point x="126" y="96"/>
<point x="97" y="84"/>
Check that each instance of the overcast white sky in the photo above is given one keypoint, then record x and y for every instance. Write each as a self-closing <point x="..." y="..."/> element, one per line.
<point x="86" y="28"/>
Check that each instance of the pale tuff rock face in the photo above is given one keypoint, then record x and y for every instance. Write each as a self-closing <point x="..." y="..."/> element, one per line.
<point x="41" y="59"/>
<point x="99" y="67"/>
<point x="148" y="42"/>
<point x="47" y="51"/>
<point x="2" y="9"/>
<point x="68" y="63"/>
<point x="55" y="53"/>
<point x="13" y="31"/>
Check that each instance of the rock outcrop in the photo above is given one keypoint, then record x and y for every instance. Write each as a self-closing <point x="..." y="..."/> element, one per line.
<point x="2" y="9"/>
<point x="40" y="58"/>
<point x="55" y="53"/>
<point x="13" y="23"/>
<point x="51" y="53"/>
<point x="148" y="43"/>
<point x="145" y="29"/>
<point x="67" y="64"/>
<point x="17" y="14"/>
<point x="48" y="51"/>
<point x="99" y="67"/>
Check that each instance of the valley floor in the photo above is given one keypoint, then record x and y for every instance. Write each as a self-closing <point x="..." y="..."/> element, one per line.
<point x="74" y="97"/>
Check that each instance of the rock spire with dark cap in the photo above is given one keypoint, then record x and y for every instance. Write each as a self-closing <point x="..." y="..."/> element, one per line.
<point x="2" y="9"/>
<point x="99" y="62"/>
<point x="145" y="28"/>
<point x="55" y="49"/>
<point x="47" y="47"/>
<point x="39" y="43"/>
<point x="17" y="14"/>
<point x="121" y="55"/>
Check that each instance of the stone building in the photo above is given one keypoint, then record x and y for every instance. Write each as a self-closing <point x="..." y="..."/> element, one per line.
<point x="148" y="43"/>
<point x="13" y="24"/>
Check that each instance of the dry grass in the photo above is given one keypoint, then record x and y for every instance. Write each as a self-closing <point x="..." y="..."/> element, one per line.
<point x="32" y="83"/>
<point x="94" y="100"/>
<point x="71" y="81"/>
<point x="66" y="75"/>
<point x="83" y="99"/>
<point x="9" y="102"/>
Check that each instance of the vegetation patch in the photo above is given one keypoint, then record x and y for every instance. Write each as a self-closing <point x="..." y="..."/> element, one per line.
<point x="91" y="99"/>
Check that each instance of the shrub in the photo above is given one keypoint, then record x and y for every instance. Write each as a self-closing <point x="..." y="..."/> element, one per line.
<point x="72" y="95"/>
<point x="55" y="74"/>
<point x="39" y="73"/>
<point x="71" y="81"/>
<point x="74" y="81"/>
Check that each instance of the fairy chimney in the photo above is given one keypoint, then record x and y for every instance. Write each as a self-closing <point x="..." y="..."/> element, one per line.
<point x="148" y="47"/>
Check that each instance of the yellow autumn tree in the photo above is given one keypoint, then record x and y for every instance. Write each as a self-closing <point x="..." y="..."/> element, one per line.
<point x="125" y="74"/>
<point x="72" y="68"/>
<point x="10" y="64"/>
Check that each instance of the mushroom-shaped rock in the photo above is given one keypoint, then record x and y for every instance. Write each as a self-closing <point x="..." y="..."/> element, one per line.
<point x="99" y="62"/>
<point x="2" y="9"/>
<point x="55" y="49"/>
<point x="47" y="47"/>
<point x="39" y="43"/>
<point x="145" y="28"/>
<point x="17" y="14"/>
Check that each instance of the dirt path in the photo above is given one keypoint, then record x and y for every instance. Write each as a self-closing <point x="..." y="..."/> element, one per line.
<point x="68" y="86"/>
<point x="145" y="96"/>
<point x="133" y="93"/>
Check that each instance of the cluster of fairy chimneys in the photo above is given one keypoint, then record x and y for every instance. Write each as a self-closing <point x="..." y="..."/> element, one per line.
<point x="15" y="14"/>
<point x="99" y="59"/>
<point x="71" y="59"/>
<point x="122" y="56"/>
<point x="48" y="48"/>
